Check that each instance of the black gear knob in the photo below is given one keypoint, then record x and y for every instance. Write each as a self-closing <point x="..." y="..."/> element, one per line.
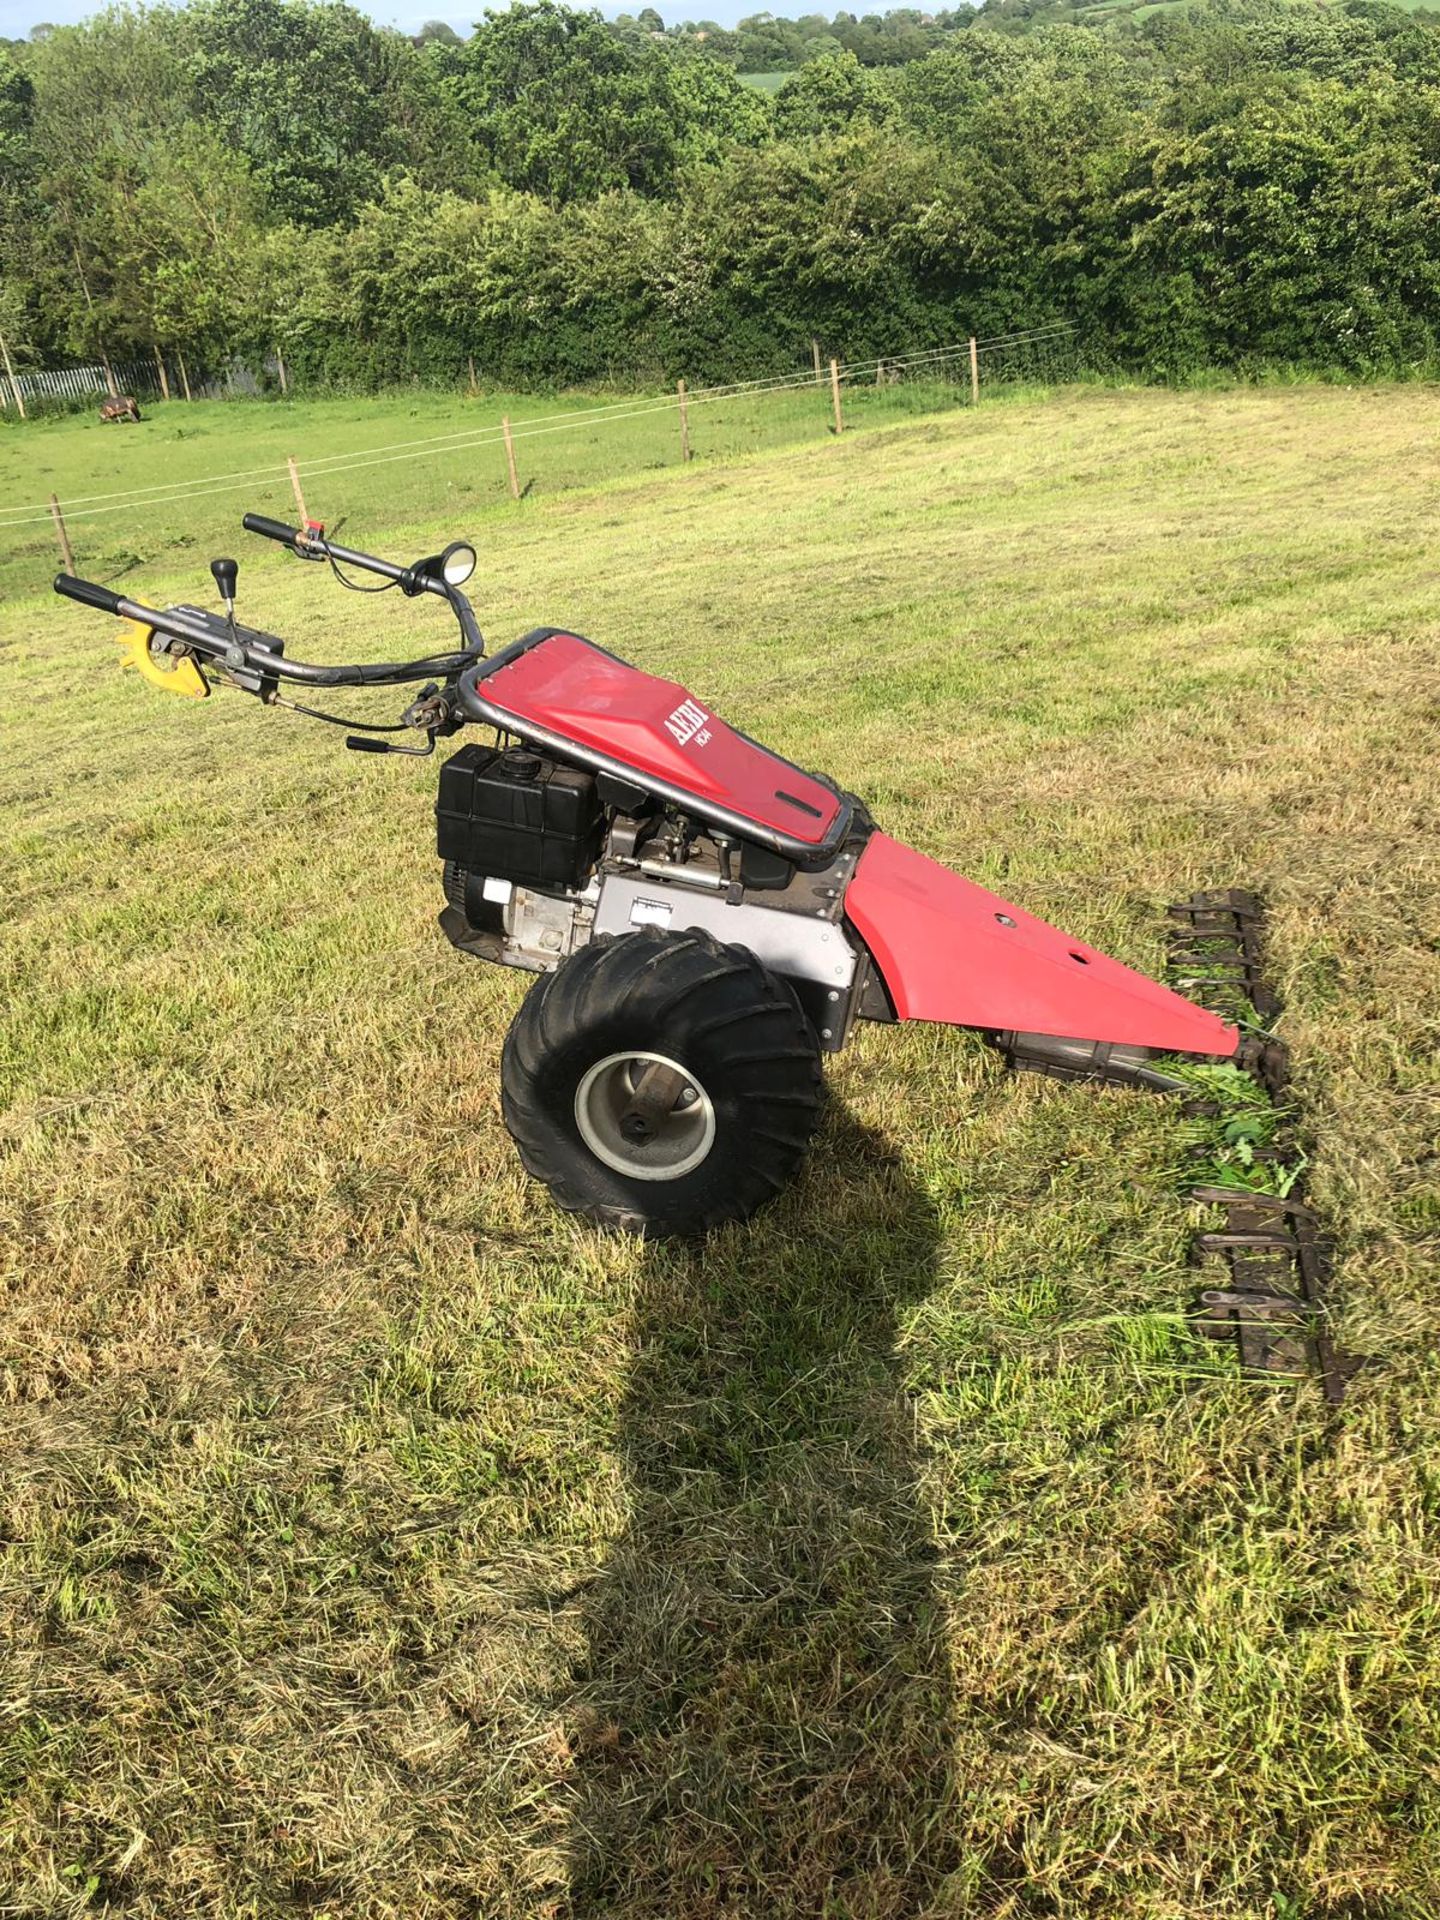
<point x="226" y="572"/>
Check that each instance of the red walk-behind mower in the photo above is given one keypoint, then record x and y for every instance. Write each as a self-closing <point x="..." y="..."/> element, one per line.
<point x="706" y="919"/>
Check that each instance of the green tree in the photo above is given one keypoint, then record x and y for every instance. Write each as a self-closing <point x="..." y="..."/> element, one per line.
<point x="1303" y="226"/>
<point x="20" y="214"/>
<point x="309" y="91"/>
<point x="109" y="96"/>
<point x="17" y="116"/>
<point x="1235" y="182"/>
<point x="831" y="94"/>
<point x="182" y="244"/>
<point x="563" y="107"/>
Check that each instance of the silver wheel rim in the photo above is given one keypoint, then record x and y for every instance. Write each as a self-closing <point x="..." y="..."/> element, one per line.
<point x="685" y="1135"/>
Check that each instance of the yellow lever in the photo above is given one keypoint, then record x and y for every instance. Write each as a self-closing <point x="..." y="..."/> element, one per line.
<point x="180" y="676"/>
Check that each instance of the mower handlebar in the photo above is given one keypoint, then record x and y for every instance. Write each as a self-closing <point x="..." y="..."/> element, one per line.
<point x="420" y="578"/>
<point x="244" y="650"/>
<point x="269" y="529"/>
<point x="312" y="545"/>
<point x="87" y="593"/>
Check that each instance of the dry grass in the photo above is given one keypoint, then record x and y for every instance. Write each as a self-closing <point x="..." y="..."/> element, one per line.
<point x="376" y="1542"/>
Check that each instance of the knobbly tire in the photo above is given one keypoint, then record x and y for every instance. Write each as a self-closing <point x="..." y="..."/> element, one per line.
<point x="660" y="1083"/>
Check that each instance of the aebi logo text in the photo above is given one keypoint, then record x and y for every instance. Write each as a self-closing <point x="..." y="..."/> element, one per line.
<point x="686" y="722"/>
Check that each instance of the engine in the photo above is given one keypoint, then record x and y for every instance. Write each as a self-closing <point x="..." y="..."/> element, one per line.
<point x="540" y="856"/>
<point x="520" y="835"/>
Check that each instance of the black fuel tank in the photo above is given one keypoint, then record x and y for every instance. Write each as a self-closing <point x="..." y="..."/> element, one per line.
<point x="519" y="816"/>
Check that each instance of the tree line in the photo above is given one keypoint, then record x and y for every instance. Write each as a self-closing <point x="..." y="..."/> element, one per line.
<point x="564" y="201"/>
<point x="763" y="44"/>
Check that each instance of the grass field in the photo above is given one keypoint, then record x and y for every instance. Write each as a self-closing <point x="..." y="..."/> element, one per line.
<point x="377" y="1542"/>
<point x="118" y="484"/>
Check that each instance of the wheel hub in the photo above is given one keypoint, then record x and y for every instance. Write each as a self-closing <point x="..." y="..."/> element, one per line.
<point x="645" y="1115"/>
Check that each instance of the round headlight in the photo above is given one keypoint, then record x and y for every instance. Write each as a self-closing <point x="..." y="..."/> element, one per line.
<point x="457" y="563"/>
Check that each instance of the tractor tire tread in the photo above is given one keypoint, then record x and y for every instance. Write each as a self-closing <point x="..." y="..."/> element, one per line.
<point x="639" y="990"/>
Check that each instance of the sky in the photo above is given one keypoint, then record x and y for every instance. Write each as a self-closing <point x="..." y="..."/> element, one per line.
<point x="17" y="17"/>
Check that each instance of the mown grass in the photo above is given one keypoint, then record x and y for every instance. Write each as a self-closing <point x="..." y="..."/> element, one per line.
<point x="377" y="1541"/>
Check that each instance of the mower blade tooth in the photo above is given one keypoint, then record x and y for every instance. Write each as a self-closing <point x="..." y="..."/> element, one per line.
<point x="1274" y="1307"/>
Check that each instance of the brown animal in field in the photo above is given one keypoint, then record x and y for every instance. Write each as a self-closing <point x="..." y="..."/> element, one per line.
<point x="120" y="406"/>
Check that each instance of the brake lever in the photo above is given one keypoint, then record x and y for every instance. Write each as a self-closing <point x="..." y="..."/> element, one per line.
<point x="360" y="743"/>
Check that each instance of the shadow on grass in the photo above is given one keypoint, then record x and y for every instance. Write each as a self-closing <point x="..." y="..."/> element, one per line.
<point x="762" y="1724"/>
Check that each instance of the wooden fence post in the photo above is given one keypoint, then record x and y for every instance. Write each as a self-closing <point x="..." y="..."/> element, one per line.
<point x="510" y="458"/>
<point x="974" y="372"/>
<point x="184" y="376"/>
<point x="284" y="377"/>
<point x="815" y="349"/>
<point x="65" y="552"/>
<point x="160" y="369"/>
<point x="10" y="375"/>
<point x="110" y="385"/>
<point x="684" y="422"/>
<point x="474" y="389"/>
<point x="295" y="483"/>
<point x="835" y="395"/>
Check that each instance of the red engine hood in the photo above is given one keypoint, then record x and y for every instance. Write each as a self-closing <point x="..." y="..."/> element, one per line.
<point x="562" y="690"/>
<point x="949" y="951"/>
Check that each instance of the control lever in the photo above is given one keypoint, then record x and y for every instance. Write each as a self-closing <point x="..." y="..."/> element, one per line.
<point x="225" y="573"/>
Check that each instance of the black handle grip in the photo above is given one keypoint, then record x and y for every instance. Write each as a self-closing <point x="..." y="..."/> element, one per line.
<point x="270" y="529"/>
<point x="87" y="593"/>
<point x="357" y="743"/>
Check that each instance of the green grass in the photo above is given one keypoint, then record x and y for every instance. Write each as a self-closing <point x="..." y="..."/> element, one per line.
<point x="233" y="455"/>
<point x="376" y="1541"/>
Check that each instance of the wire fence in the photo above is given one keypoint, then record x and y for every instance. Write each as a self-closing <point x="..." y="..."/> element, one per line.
<point x="461" y="466"/>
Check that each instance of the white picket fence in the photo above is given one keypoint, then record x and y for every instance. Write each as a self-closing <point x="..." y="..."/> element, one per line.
<point x="137" y="377"/>
<point x="78" y="383"/>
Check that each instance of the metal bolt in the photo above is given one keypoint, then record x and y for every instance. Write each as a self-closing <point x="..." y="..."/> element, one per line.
<point x="824" y="1033"/>
<point x="833" y="995"/>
